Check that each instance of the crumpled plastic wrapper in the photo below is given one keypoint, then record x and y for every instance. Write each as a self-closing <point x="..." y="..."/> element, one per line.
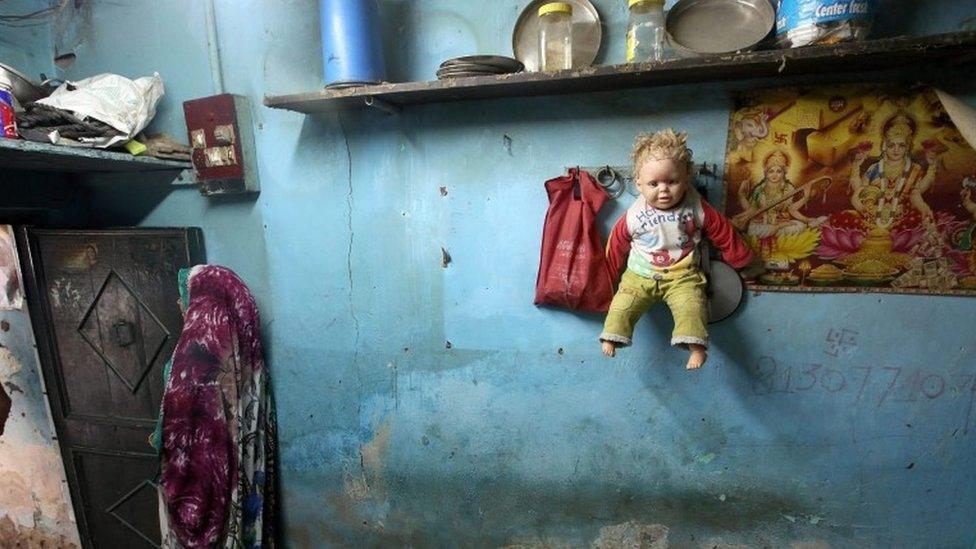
<point x="126" y="105"/>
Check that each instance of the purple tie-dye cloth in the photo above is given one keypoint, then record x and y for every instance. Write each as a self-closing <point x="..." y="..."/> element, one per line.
<point x="218" y="421"/>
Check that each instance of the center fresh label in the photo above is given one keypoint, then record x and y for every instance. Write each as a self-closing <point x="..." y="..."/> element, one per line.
<point x="793" y="14"/>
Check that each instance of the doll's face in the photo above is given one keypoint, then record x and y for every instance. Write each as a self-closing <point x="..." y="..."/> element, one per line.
<point x="775" y="174"/>
<point x="895" y="148"/>
<point x="662" y="183"/>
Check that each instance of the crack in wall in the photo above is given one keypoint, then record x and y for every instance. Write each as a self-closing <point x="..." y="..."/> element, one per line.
<point x="350" y="204"/>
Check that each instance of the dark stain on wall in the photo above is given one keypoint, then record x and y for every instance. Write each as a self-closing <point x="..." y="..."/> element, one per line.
<point x="4" y="408"/>
<point x="496" y="512"/>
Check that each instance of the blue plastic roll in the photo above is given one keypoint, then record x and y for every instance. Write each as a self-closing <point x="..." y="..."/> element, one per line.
<point x="351" y="47"/>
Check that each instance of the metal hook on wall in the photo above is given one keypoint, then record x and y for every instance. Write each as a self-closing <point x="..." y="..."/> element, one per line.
<point x="617" y="179"/>
<point x="611" y="181"/>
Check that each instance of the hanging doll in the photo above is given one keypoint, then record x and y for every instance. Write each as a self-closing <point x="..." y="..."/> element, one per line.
<point x="660" y="238"/>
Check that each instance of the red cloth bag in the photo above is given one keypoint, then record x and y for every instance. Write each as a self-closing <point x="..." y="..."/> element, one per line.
<point x="573" y="270"/>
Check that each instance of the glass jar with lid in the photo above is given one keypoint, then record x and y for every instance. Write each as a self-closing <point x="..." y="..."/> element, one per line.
<point x="555" y="36"/>
<point x="645" y="32"/>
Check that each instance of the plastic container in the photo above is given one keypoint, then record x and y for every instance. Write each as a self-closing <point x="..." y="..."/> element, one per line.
<point x="645" y="32"/>
<point x="817" y="22"/>
<point x="351" y="48"/>
<point x="8" y="118"/>
<point x="555" y="36"/>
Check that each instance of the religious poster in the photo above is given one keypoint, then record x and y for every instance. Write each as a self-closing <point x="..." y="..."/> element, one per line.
<point x="11" y="292"/>
<point x="855" y="188"/>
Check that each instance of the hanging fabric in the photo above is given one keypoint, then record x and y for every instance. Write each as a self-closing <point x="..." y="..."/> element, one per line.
<point x="218" y="425"/>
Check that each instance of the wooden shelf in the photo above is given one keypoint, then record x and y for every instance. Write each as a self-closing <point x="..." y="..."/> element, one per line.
<point x="17" y="154"/>
<point x="890" y="53"/>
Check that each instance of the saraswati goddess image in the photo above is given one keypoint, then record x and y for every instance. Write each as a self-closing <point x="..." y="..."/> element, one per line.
<point x="772" y="208"/>
<point x="773" y="215"/>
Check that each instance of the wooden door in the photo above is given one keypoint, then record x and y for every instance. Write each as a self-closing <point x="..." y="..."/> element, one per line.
<point x="106" y="317"/>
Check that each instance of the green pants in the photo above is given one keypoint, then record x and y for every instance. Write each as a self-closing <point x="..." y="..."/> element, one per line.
<point x="684" y="293"/>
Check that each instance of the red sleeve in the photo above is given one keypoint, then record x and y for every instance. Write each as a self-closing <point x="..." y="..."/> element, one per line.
<point x="720" y="231"/>
<point x="618" y="247"/>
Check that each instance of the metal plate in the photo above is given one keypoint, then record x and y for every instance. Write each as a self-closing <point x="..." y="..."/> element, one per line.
<point x="719" y="26"/>
<point x="725" y="291"/>
<point x="478" y="65"/>
<point x="464" y="74"/>
<point x="587" y="34"/>
<point x="23" y="88"/>
<point x="494" y="61"/>
<point x="350" y="84"/>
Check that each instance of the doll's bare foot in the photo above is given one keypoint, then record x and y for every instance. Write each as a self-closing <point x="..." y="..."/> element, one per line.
<point x="697" y="357"/>
<point x="609" y="349"/>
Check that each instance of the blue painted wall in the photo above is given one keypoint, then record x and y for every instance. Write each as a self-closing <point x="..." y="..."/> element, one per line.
<point x="428" y="406"/>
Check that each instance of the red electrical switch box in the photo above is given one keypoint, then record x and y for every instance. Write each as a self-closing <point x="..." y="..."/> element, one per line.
<point x="222" y="139"/>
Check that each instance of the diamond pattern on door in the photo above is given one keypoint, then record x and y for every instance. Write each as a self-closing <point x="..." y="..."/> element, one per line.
<point x="123" y="331"/>
<point x="142" y="495"/>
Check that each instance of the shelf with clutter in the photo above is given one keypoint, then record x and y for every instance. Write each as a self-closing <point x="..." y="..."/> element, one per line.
<point x="66" y="128"/>
<point x="95" y="125"/>
<point x="813" y="61"/>
<point x="17" y="154"/>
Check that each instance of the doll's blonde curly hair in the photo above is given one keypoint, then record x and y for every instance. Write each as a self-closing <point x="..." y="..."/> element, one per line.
<point x="663" y="145"/>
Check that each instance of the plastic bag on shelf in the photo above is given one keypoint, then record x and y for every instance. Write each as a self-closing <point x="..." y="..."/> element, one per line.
<point x="126" y="105"/>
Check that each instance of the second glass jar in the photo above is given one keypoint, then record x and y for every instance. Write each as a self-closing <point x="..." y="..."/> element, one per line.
<point x="645" y="33"/>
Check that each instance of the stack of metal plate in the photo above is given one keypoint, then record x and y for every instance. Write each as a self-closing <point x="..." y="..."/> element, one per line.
<point x="347" y="84"/>
<point x="478" y="65"/>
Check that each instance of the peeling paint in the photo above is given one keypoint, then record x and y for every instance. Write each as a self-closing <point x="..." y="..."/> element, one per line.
<point x="34" y="505"/>
<point x="705" y="458"/>
<point x="367" y="480"/>
<point x="813" y="544"/>
<point x="632" y="535"/>
<point x="539" y="544"/>
<point x="715" y="543"/>
<point x="15" y="535"/>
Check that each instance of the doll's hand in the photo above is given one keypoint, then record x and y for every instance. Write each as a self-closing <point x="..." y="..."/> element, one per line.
<point x="739" y="221"/>
<point x="753" y="270"/>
